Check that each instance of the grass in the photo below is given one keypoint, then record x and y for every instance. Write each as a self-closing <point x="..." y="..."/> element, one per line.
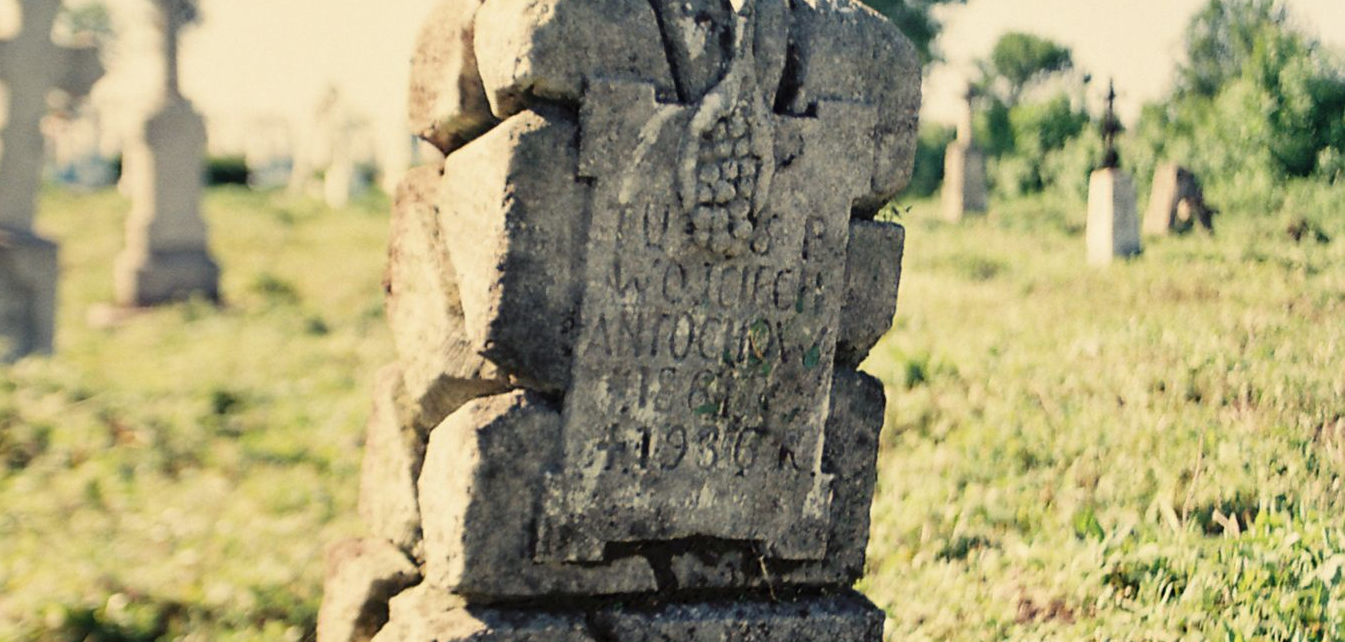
<point x="1153" y="451"/>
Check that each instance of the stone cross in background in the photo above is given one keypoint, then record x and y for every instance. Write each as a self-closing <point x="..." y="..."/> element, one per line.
<point x="31" y="67"/>
<point x="1113" y="225"/>
<point x="166" y="255"/>
<point x="964" y="184"/>
<point x="629" y="310"/>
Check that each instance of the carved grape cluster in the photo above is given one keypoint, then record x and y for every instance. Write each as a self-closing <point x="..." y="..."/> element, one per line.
<point x="726" y="185"/>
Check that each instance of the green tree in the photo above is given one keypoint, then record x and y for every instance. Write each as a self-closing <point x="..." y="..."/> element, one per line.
<point x="1257" y="103"/>
<point x="1019" y="59"/>
<point x="915" y="19"/>
<point x="1223" y="38"/>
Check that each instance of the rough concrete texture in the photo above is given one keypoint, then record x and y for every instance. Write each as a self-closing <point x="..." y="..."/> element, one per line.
<point x="1113" y="227"/>
<point x="698" y="405"/>
<point x="166" y="257"/>
<point x="546" y="49"/>
<point x="448" y="106"/>
<point x="872" y="276"/>
<point x="964" y="181"/>
<point x="851" y="455"/>
<point x="394" y="451"/>
<point x="826" y="35"/>
<point x="480" y="489"/>
<point x="362" y="575"/>
<point x="424" y="614"/>
<point x="844" y="616"/>
<point x="440" y="368"/>
<point x="1176" y="203"/>
<point x="513" y="214"/>
<point x="28" y="275"/>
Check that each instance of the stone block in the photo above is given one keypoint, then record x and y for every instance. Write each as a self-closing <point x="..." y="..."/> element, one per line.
<point x="547" y="49"/>
<point x="826" y="34"/>
<point x="448" y="105"/>
<point x="1113" y="227"/>
<point x="362" y="575"/>
<point x="28" y="275"/>
<point x="964" y="181"/>
<point x="480" y="491"/>
<point x="440" y="367"/>
<point x="513" y="215"/>
<point x="843" y="616"/>
<point x="872" y="276"/>
<point x="394" y="451"/>
<point x="851" y="455"/>
<point x="424" y="614"/>
<point x="152" y="277"/>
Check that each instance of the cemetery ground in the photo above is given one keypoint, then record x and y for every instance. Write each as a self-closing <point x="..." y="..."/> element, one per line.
<point x="1153" y="451"/>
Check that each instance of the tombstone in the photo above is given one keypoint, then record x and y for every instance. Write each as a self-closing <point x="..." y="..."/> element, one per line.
<point x="338" y="140"/>
<point x="1113" y="225"/>
<point x="1176" y="203"/>
<point x="629" y="310"/>
<point x="31" y="67"/>
<point x="75" y="147"/>
<point x="166" y="257"/>
<point x="964" y="183"/>
<point x="269" y="153"/>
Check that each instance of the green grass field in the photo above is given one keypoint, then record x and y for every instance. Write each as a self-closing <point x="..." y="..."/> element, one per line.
<point x="1153" y="451"/>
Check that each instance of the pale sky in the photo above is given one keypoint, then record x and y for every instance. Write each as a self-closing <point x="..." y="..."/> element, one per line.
<point x="267" y="58"/>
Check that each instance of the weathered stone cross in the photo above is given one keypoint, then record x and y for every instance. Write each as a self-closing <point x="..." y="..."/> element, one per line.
<point x="31" y="67"/>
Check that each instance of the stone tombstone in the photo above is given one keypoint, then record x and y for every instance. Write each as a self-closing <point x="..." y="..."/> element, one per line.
<point x="31" y="68"/>
<point x="1113" y="228"/>
<point x="167" y="256"/>
<point x="629" y="310"/>
<point x="964" y="176"/>
<point x="1176" y="203"/>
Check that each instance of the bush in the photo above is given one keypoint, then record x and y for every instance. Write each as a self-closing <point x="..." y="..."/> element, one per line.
<point x="226" y="170"/>
<point x="929" y="156"/>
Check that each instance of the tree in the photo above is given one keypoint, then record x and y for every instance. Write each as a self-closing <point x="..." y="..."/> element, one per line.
<point x="915" y="19"/>
<point x="1222" y="39"/>
<point x="1020" y="59"/>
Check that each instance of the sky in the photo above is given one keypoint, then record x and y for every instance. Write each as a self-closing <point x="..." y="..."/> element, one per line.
<point x="255" y="59"/>
<point x="1136" y="42"/>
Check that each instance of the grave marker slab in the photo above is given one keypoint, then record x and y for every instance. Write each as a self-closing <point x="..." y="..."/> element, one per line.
<point x="166" y="257"/>
<point x="31" y="67"/>
<point x="650" y="273"/>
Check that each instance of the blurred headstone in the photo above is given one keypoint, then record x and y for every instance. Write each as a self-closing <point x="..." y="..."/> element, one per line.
<point x="31" y="68"/>
<point x="269" y="153"/>
<point x="1113" y="225"/>
<point x="964" y="184"/>
<point x="75" y="144"/>
<point x="167" y="257"/>
<point x="1176" y="203"/>
<point x="626" y="405"/>
<point x="337" y="143"/>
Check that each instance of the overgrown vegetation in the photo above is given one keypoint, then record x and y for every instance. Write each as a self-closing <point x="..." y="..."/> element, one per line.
<point x="1142" y="453"/>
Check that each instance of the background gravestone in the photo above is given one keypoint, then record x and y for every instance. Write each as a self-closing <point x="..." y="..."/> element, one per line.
<point x="1176" y="203"/>
<point x="31" y="67"/>
<point x="964" y="181"/>
<point x="1113" y="228"/>
<point x="629" y="309"/>
<point x="167" y="257"/>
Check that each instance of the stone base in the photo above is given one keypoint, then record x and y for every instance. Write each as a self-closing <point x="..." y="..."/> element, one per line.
<point x="28" y="275"/>
<point x="1113" y="224"/>
<point x="165" y="276"/>
<point x="419" y="616"/>
<point x="964" y="183"/>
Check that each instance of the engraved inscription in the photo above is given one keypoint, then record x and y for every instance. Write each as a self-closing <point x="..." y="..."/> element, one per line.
<point x="701" y="379"/>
